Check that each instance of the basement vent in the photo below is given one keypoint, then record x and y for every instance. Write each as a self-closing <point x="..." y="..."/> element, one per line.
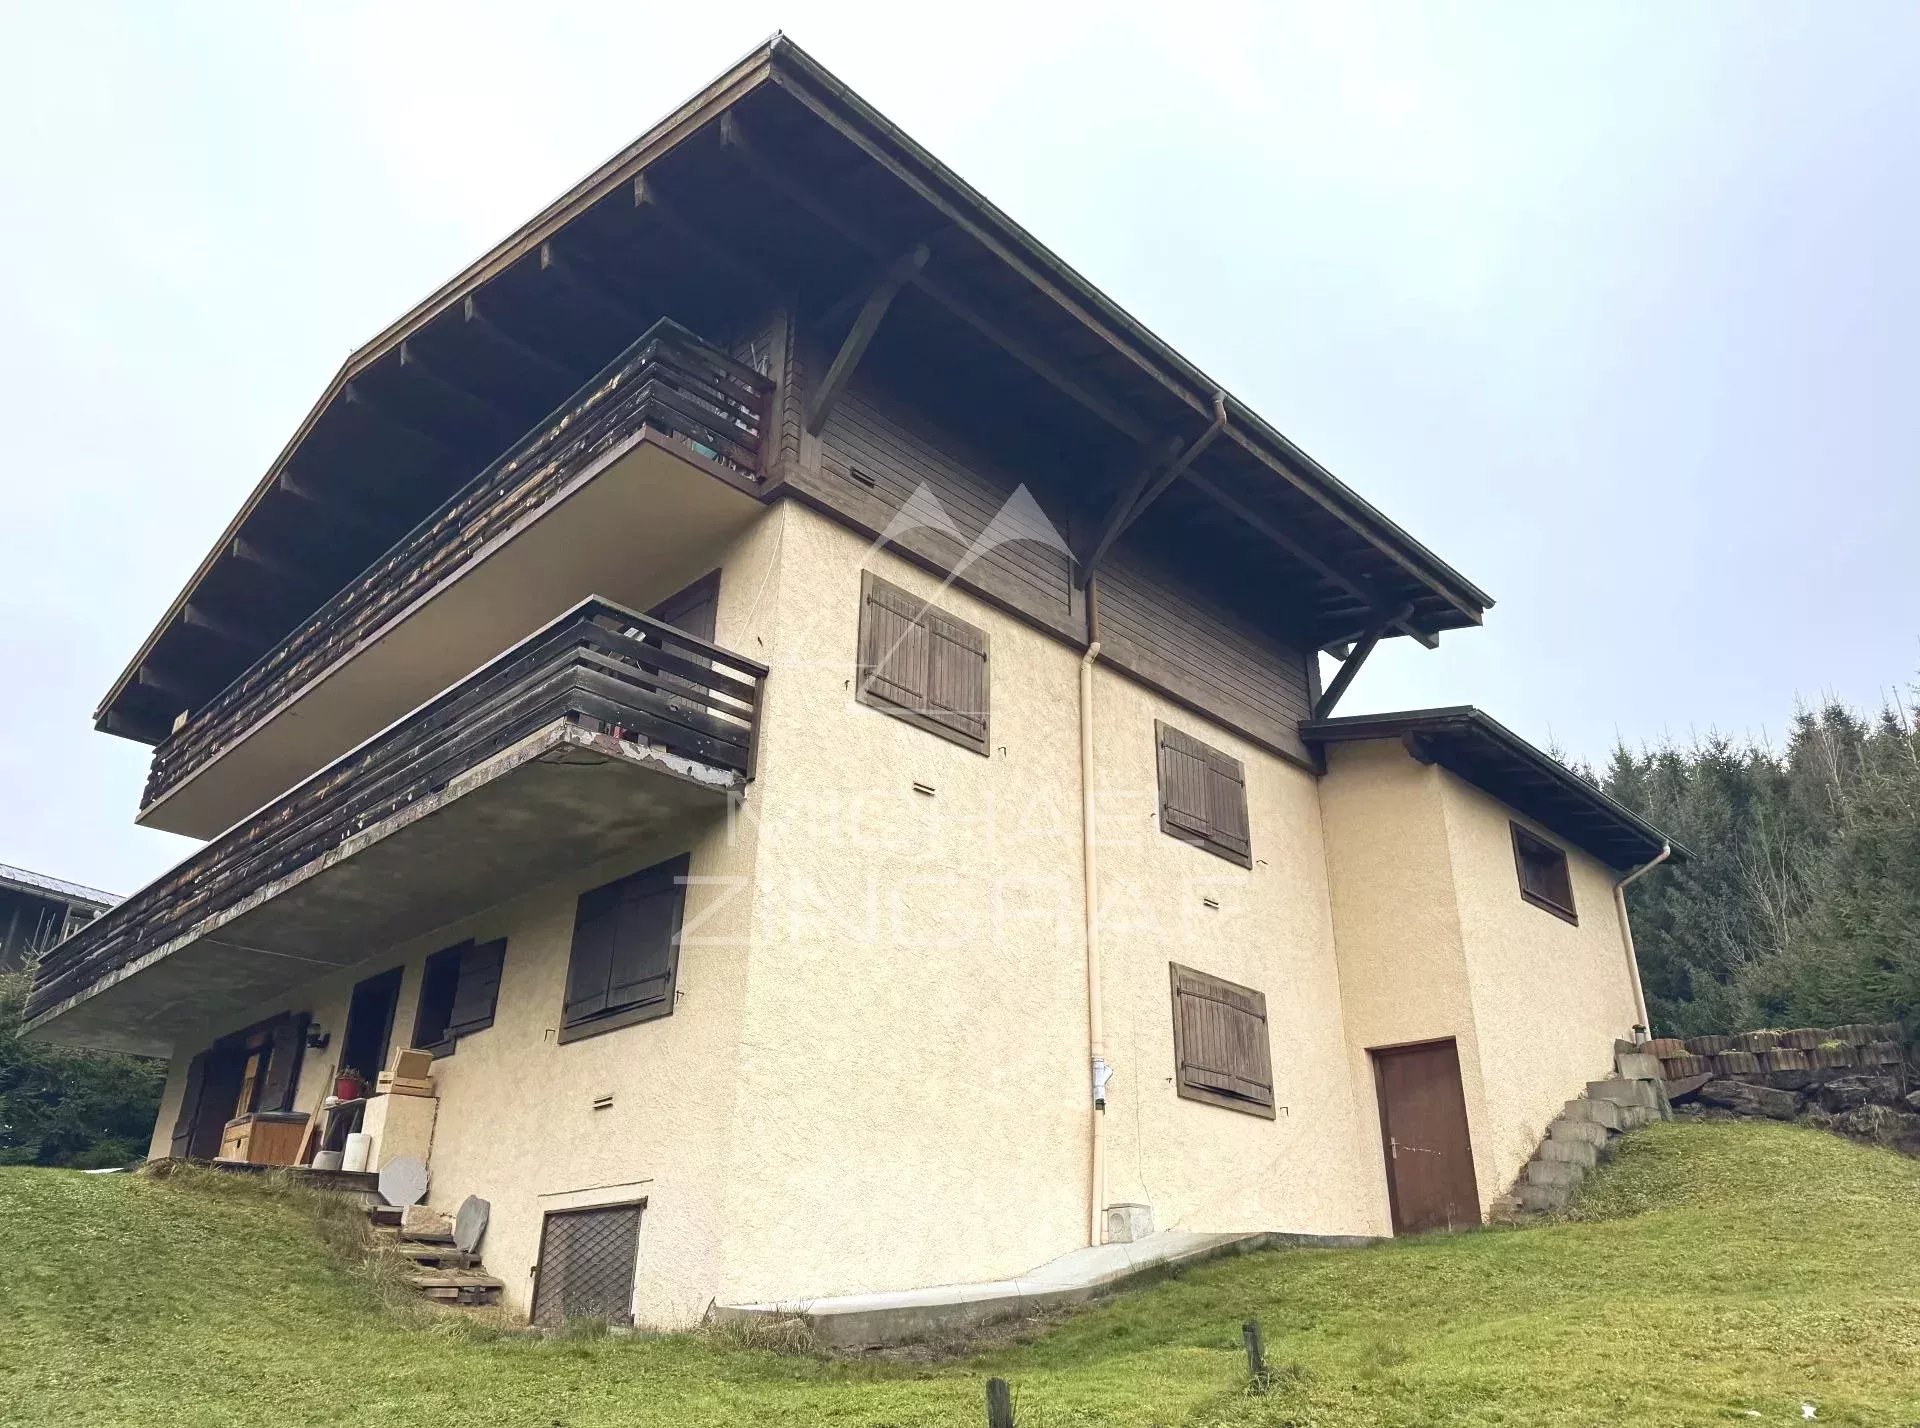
<point x="587" y="1260"/>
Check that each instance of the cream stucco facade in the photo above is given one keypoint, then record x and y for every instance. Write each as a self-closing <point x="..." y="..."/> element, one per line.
<point x="875" y="1073"/>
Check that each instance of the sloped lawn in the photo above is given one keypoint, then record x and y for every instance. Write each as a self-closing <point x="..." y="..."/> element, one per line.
<point x="1714" y="1273"/>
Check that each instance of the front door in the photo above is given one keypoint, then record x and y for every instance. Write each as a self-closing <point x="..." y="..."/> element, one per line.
<point x="1423" y="1120"/>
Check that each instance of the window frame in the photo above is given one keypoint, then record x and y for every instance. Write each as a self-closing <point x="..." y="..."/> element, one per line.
<point x="1524" y="840"/>
<point x="863" y="673"/>
<point x="1209" y="1095"/>
<point x="541" y="1269"/>
<point x="675" y="870"/>
<point x="450" y="963"/>
<point x="1219" y="761"/>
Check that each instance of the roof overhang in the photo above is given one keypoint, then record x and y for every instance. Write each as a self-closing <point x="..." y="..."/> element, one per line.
<point x="1527" y="779"/>
<point x="774" y="181"/>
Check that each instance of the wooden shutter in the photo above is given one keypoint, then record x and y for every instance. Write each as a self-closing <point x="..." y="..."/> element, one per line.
<point x="595" y="925"/>
<point x="626" y="949"/>
<point x="283" y="1065"/>
<point x="1220" y="1040"/>
<point x="1545" y="879"/>
<point x="1203" y="796"/>
<point x="184" y="1123"/>
<point x="643" y="947"/>
<point x="477" y="991"/>
<point x="922" y="665"/>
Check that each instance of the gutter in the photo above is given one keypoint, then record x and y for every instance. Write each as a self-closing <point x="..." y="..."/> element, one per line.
<point x="1644" y="1027"/>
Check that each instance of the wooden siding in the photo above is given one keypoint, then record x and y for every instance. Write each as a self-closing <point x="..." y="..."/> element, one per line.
<point x="874" y="454"/>
<point x="1153" y="627"/>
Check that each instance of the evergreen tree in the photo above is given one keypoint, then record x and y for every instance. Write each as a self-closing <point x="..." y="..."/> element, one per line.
<point x="78" y="1108"/>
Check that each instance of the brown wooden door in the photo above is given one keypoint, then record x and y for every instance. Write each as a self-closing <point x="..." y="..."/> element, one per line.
<point x="1423" y="1122"/>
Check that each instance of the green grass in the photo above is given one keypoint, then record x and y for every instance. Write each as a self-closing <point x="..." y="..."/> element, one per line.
<point x="1716" y="1271"/>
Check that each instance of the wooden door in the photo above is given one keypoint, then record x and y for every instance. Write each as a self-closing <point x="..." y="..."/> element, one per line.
<point x="1423" y="1124"/>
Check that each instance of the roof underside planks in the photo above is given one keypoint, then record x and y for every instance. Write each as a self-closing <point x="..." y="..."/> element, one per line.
<point x="774" y="183"/>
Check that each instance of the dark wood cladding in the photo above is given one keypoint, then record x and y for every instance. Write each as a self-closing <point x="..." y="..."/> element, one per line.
<point x="1154" y="628"/>
<point x="876" y="453"/>
<point x="669" y="382"/>
<point x="597" y="663"/>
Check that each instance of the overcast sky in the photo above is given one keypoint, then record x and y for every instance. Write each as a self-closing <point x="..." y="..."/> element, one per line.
<point x="1611" y="305"/>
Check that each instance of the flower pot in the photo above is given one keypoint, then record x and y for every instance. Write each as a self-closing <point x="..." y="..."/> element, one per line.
<point x="347" y="1088"/>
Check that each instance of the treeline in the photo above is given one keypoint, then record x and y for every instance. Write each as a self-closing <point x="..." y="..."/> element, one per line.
<point x="1801" y="906"/>
<point x="79" y="1108"/>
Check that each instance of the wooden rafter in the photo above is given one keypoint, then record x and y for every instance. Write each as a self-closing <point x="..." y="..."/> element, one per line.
<point x="646" y="194"/>
<point x="355" y="394"/>
<point x="570" y="276"/>
<point x="505" y="341"/>
<point x="1146" y="487"/>
<point x="898" y="274"/>
<point x="463" y="398"/>
<point x="1350" y="666"/>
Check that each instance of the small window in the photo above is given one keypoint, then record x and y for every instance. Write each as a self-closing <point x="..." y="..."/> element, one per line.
<point x="586" y="1267"/>
<point x="1544" y="878"/>
<point x="1220" y="1049"/>
<point x="459" y="990"/>
<point x="922" y="665"/>
<point x="626" y="950"/>
<point x="1203" y="796"/>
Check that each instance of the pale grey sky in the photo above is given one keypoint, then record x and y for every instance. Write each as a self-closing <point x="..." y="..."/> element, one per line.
<point x="1612" y="305"/>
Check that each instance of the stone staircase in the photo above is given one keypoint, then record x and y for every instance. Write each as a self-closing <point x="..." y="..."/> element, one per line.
<point x="1585" y="1133"/>
<point x="437" y="1267"/>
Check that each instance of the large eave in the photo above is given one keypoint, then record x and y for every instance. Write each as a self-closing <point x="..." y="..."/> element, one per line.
<point x="1037" y="296"/>
<point x="1499" y="762"/>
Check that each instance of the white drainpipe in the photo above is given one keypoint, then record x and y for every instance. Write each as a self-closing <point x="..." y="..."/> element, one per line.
<point x="1626" y="932"/>
<point x="1096" y="1035"/>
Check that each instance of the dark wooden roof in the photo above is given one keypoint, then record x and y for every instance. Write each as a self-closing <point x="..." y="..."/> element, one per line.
<point x="1498" y="761"/>
<point x="775" y="181"/>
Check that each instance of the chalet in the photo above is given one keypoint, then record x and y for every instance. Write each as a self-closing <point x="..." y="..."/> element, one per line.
<point x="813" y="716"/>
<point x="36" y="911"/>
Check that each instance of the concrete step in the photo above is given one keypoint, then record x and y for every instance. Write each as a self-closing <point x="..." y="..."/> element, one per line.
<point x="1602" y="1113"/>
<point x="1539" y="1199"/>
<point x="1623" y="1093"/>
<point x="1633" y="1117"/>
<point x="1554" y="1172"/>
<point x="1585" y="1131"/>
<point x="1569" y="1152"/>
<point x="1506" y="1210"/>
<point x="1639" y="1066"/>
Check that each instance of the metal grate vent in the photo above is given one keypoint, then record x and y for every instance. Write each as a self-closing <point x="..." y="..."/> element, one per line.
<point x="586" y="1266"/>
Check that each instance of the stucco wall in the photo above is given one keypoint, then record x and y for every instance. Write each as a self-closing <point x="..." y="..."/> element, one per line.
<point x="1549" y="997"/>
<point x="1202" y="1166"/>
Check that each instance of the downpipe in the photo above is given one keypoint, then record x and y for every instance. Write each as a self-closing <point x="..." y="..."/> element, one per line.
<point x="1626" y="936"/>
<point x="1100" y="1071"/>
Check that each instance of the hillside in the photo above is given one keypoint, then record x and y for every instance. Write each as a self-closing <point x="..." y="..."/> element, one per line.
<point x="1717" y="1272"/>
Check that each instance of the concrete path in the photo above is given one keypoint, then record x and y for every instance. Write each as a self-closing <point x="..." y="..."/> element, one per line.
<point x="856" y="1321"/>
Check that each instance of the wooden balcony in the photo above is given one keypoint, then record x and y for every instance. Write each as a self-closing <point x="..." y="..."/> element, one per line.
<point x="597" y="731"/>
<point x="669" y="388"/>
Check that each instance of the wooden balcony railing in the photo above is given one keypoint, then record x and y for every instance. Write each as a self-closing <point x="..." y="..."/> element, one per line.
<point x="599" y="662"/>
<point x="669" y="381"/>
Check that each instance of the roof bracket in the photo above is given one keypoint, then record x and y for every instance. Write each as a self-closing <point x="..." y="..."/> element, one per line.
<point x="898" y="274"/>
<point x="1146" y="486"/>
<point x="1357" y="656"/>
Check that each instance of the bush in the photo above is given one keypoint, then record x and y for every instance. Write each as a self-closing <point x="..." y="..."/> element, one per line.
<point x="85" y="1109"/>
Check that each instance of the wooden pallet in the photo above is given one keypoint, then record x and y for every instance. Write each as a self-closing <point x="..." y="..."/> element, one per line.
<point x="457" y="1286"/>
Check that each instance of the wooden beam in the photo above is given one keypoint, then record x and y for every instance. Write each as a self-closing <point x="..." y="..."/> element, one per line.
<point x="734" y="137"/>
<point x="503" y="425"/>
<point x="341" y="514"/>
<point x="1146" y="488"/>
<point x="356" y="395"/>
<point x="505" y="341"/>
<point x="242" y="634"/>
<point x="1350" y="667"/>
<point x="125" y="724"/>
<point x="898" y="274"/>
<point x="646" y="194"/>
<point x="163" y="683"/>
<point x="250" y="552"/>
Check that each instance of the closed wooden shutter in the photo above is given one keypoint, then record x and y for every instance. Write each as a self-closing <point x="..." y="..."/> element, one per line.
<point x="190" y="1093"/>
<point x="283" y="1064"/>
<point x="1220" y="1041"/>
<point x="626" y="942"/>
<point x="1203" y="796"/>
<point x="477" y="992"/>
<point x="922" y="665"/>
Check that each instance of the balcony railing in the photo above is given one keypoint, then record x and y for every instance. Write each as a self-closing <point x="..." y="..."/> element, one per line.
<point x="599" y="665"/>
<point x="669" y="381"/>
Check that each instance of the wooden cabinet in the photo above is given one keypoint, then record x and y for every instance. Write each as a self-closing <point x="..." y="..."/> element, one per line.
<point x="264" y="1138"/>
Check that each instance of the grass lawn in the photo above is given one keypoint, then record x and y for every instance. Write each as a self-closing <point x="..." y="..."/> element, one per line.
<point x="1716" y="1273"/>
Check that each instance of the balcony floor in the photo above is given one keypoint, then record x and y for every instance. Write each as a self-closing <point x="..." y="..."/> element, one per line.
<point x="558" y="799"/>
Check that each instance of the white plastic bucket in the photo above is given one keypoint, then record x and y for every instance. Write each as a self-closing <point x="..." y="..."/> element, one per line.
<point x="358" y="1152"/>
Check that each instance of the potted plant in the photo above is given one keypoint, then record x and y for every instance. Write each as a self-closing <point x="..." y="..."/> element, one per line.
<point x="348" y="1084"/>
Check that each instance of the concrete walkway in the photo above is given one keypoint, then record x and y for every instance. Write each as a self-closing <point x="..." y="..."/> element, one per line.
<point x="859" y="1321"/>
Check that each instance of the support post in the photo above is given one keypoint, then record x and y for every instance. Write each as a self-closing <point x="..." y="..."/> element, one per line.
<point x="898" y="275"/>
<point x="1256" y="1354"/>
<point x="1350" y="666"/>
<point x="999" y="1404"/>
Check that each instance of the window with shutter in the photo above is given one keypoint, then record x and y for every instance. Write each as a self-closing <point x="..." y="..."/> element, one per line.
<point x="922" y="665"/>
<point x="1220" y="1046"/>
<point x="459" y="992"/>
<point x="1203" y="796"/>
<point x="626" y="950"/>
<point x="1545" y="880"/>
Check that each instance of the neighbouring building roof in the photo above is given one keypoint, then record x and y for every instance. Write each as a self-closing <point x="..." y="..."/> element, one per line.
<point x="775" y="169"/>
<point x="40" y="885"/>
<point x="1493" y="758"/>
